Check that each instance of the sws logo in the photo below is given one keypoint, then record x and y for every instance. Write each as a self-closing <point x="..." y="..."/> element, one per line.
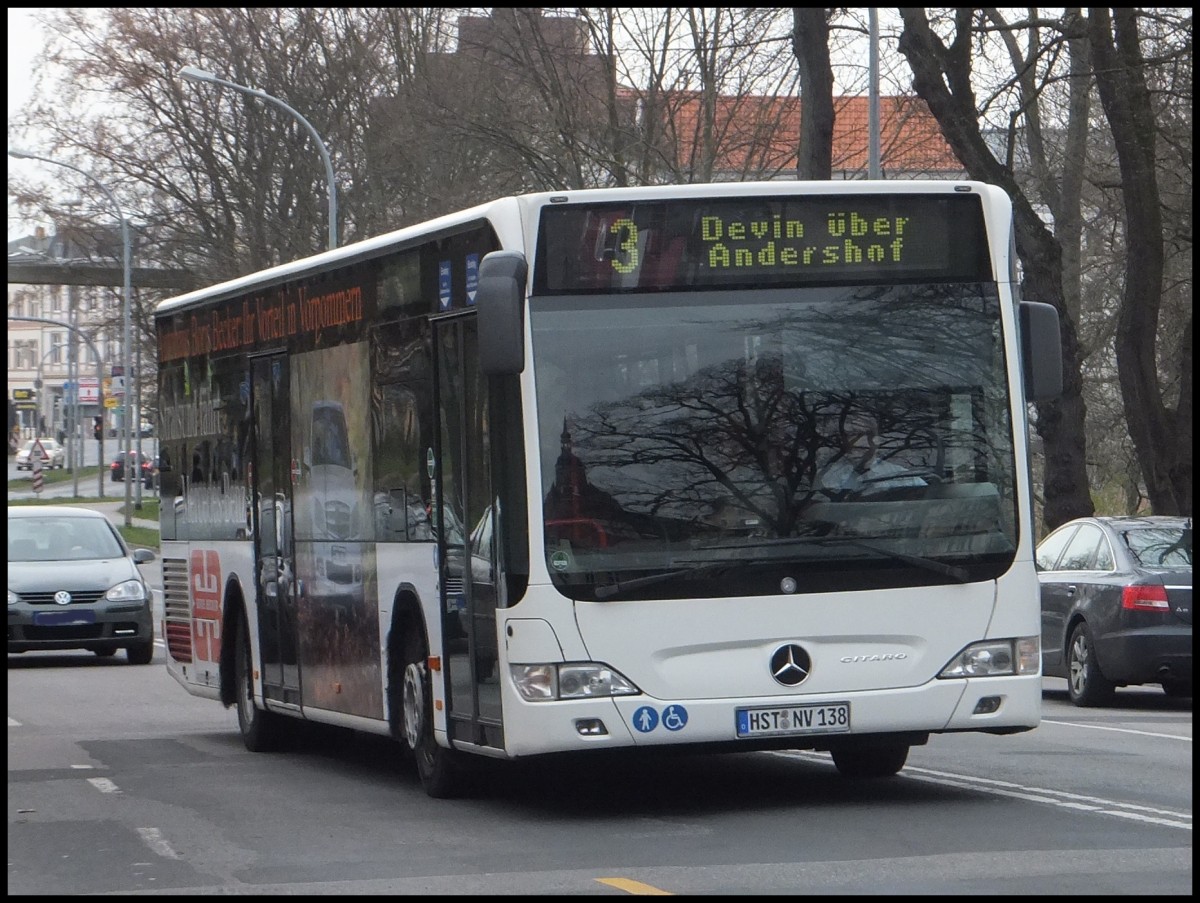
<point x="206" y="604"/>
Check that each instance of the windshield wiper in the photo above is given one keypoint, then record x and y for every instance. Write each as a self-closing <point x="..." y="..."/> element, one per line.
<point x="954" y="572"/>
<point x="617" y="586"/>
<point x="962" y="575"/>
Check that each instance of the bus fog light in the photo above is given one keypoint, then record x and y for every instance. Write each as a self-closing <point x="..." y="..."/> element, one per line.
<point x="987" y="705"/>
<point x="590" y="727"/>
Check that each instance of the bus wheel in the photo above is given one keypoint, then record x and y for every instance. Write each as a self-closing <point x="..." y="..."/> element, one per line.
<point x="870" y="761"/>
<point x="437" y="766"/>
<point x="261" y="730"/>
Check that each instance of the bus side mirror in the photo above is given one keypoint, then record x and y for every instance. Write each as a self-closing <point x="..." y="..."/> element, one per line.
<point x="1041" y="351"/>
<point x="500" y="302"/>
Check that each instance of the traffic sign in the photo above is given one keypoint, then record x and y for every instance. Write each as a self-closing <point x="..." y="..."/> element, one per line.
<point x="111" y="402"/>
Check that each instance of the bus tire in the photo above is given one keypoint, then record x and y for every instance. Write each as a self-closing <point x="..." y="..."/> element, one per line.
<point x="870" y="761"/>
<point x="437" y="766"/>
<point x="261" y="730"/>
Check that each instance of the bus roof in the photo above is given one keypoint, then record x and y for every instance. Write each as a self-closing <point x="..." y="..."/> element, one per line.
<point x="508" y="206"/>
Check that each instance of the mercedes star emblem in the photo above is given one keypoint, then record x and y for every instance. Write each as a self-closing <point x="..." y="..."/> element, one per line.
<point x="790" y="665"/>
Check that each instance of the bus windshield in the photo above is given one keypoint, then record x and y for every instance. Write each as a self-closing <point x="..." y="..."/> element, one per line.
<point x="812" y="439"/>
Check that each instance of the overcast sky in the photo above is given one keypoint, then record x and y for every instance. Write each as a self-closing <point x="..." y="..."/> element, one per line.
<point x="24" y="41"/>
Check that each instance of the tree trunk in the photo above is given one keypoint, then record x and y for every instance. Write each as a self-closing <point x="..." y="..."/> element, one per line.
<point x="810" y="43"/>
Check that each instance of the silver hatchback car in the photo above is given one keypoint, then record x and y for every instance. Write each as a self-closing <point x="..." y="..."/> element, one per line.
<point x="73" y="583"/>
<point x="54" y="456"/>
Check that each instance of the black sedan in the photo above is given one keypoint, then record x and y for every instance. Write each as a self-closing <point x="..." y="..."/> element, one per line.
<point x="73" y="583"/>
<point x="148" y="467"/>
<point x="1117" y="605"/>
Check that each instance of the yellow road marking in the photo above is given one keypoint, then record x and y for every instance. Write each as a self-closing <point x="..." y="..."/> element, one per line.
<point x="635" y="887"/>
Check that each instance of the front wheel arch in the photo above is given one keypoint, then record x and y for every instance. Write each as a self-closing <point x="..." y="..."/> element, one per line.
<point x="406" y="617"/>
<point x="233" y="613"/>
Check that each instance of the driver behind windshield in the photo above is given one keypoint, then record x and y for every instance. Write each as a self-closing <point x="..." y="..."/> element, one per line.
<point x="856" y="469"/>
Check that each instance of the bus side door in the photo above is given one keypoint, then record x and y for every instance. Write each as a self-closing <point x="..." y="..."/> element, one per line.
<point x="272" y="485"/>
<point x="465" y="518"/>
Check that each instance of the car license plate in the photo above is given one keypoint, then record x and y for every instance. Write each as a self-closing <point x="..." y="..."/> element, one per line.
<point x="814" y="718"/>
<point x="63" y="618"/>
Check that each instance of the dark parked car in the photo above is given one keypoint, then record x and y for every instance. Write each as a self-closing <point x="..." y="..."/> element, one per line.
<point x="1117" y="605"/>
<point x="149" y="468"/>
<point x="73" y="583"/>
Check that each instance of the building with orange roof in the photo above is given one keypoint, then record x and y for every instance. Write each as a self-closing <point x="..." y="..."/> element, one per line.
<point x="755" y="137"/>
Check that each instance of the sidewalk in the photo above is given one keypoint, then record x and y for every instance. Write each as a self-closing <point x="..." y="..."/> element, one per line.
<point x="113" y="510"/>
<point x="110" y="508"/>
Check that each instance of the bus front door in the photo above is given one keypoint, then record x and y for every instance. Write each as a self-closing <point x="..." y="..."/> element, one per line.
<point x="464" y="519"/>
<point x="272" y="479"/>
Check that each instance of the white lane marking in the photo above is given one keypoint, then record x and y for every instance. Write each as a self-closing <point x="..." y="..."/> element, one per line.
<point x="104" y="785"/>
<point x="84" y="767"/>
<point x="152" y="837"/>
<point x="13" y="722"/>
<point x="1132" y="811"/>
<point x="1116" y="730"/>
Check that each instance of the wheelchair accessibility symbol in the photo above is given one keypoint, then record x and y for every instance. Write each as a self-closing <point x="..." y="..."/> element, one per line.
<point x="674" y="718"/>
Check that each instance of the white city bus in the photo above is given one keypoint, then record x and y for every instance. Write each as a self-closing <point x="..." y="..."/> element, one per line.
<point x="551" y="474"/>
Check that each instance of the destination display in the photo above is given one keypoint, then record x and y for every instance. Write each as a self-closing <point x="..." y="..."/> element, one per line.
<point x="762" y="241"/>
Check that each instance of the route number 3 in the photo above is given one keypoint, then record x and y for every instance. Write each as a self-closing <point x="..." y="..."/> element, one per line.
<point x="627" y="246"/>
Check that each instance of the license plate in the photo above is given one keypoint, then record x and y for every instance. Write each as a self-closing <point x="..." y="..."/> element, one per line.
<point x="64" y="618"/>
<point x="781" y="721"/>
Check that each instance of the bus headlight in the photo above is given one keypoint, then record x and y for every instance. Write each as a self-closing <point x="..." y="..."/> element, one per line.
<point x="996" y="658"/>
<point x="574" y="680"/>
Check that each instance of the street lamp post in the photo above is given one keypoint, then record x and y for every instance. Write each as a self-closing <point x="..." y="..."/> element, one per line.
<point x="128" y="326"/>
<point x="200" y="75"/>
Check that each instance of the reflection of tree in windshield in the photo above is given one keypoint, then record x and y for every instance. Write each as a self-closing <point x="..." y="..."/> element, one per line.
<point x="710" y="419"/>
<point x="731" y="441"/>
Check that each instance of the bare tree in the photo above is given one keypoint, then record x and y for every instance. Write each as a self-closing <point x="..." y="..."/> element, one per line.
<point x="943" y="77"/>
<point x="1162" y="435"/>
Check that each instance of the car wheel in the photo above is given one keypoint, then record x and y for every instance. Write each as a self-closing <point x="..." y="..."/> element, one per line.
<point x="1178" y="689"/>
<point x="440" y="769"/>
<point x="870" y="761"/>
<point x="141" y="654"/>
<point x="1086" y="686"/>
<point x="262" y="731"/>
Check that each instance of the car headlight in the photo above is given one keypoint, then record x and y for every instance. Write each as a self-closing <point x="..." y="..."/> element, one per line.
<point x="128" y="591"/>
<point x="13" y="598"/>
<point x="996" y="658"/>
<point x="575" y="680"/>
